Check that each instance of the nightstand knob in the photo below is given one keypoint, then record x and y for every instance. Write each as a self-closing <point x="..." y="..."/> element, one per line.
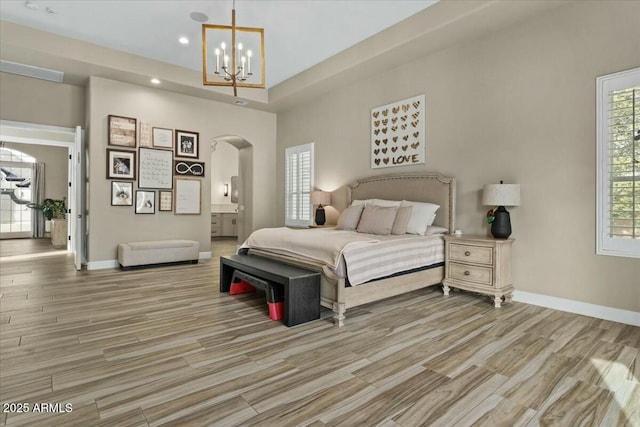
<point x="467" y="253"/>
<point x="466" y="273"/>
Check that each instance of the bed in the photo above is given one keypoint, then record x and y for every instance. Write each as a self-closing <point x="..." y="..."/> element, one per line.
<point x="336" y="293"/>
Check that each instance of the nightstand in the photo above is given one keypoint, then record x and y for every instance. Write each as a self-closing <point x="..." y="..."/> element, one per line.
<point x="478" y="264"/>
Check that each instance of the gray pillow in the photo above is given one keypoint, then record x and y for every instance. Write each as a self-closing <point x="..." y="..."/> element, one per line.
<point x="377" y="220"/>
<point x="402" y="220"/>
<point x="349" y="218"/>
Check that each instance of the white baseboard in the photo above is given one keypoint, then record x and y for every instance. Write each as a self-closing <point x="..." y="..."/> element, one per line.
<point x="101" y="265"/>
<point x="113" y="263"/>
<point x="598" y="311"/>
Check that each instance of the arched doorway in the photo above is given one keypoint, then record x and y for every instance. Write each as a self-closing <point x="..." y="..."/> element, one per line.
<point x="244" y="182"/>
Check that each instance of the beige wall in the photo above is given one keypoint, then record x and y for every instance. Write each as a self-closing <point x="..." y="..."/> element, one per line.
<point x="56" y="167"/>
<point x="110" y="225"/>
<point x="518" y="105"/>
<point x="24" y="99"/>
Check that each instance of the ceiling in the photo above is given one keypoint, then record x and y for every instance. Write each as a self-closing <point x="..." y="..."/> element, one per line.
<point x="298" y="34"/>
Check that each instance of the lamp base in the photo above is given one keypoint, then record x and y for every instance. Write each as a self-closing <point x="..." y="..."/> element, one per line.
<point x="501" y="225"/>
<point x="320" y="216"/>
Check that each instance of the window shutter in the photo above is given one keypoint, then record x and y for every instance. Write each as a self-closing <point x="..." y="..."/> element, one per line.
<point x="298" y="185"/>
<point x="624" y="163"/>
<point x="618" y="164"/>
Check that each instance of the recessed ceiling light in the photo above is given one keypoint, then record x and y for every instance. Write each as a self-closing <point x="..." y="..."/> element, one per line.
<point x="50" y="11"/>
<point x="183" y="40"/>
<point x="240" y="102"/>
<point x="199" y="16"/>
<point x="155" y="81"/>
<point x="32" y="5"/>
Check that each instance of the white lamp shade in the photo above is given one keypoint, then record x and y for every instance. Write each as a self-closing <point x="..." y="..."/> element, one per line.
<point x="501" y="195"/>
<point x="320" y="197"/>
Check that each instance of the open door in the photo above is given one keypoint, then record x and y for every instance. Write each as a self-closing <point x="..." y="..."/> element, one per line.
<point x="77" y="213"/>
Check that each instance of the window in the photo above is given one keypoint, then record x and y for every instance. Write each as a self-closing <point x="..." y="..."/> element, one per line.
<point x="298" y="185"/>
<point x="16" y="172"/>
<point x="618" y="164"/>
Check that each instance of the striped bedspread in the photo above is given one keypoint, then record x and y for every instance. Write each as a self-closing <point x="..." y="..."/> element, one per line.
<point x="356" y="256"/>
<point x="392" y="254"/>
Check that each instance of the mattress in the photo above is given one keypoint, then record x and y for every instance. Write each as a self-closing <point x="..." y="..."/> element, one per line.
<point x="356" y="257"/>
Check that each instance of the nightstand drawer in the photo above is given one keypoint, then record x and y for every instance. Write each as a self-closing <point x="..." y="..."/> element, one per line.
<point x="470" y="253"/>
<point x="472" y="273"/>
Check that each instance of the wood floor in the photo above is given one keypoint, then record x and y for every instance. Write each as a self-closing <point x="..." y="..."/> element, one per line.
<point x="11" y="249"/>
<point x="162" y="347"/>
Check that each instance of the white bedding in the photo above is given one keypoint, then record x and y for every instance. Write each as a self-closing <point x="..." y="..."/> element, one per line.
<point x="356" y="256"/>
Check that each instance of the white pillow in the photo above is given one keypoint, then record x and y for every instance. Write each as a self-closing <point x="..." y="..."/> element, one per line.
<point x="349" y="218"/>
<point x="422" y="216"/>
<point x="377" y="202"/>
<point x="434" y="229"/>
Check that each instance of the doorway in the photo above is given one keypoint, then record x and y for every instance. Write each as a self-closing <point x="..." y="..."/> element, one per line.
<point x="70" y="141"/>
<point x="224" y="206"/>
<point x="243" y="185"/>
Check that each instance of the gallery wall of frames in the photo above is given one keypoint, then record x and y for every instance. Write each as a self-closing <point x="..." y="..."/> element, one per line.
<point x="162" y="161"/>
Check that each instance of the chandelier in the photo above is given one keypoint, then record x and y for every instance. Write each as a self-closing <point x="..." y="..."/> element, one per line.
<point x="232" y="56"/>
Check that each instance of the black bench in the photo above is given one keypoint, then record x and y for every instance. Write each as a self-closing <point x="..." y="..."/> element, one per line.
<point x="301" y="287"/>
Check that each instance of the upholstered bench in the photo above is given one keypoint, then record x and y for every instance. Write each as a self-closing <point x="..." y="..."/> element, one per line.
<point x="135" y="254"/>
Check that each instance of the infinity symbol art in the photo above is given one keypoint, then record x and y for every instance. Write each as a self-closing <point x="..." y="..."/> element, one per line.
<point x="189" y="168"/>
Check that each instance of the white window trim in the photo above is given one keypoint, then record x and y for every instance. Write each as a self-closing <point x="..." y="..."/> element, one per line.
<point x="606" y="245"/>
<point x="294" y="150"/>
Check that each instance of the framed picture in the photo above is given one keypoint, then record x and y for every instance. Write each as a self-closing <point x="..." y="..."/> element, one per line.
<point x="121" y="164"/>
<point x="121" y="193"/>
<point x="144" y="134"/>
<point x="398" y="133"/>
<point x="187" y="196"/>
<point x="187" y="168"/>
<point x="155" y="168"/>
<point x="145" y="202"/>
<point x="166" y="201"/>
<point x="122" y="131"/>
<point x="162" y="138"/>
<point x="187" y="143"/>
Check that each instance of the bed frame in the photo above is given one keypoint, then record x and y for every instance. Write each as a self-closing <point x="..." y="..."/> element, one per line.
<point x="423" y="187"/>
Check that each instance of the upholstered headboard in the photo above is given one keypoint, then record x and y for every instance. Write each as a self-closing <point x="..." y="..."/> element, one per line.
<point x="416" y="187"/>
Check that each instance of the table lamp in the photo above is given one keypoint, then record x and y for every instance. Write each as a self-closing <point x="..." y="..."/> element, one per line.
<point x="501" y="195"/>
<point x="320" y="198"/>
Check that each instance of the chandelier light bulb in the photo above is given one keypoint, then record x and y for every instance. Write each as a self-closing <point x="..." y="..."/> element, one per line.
<point x="223" y="46"/>
<point x="217" y="60"/>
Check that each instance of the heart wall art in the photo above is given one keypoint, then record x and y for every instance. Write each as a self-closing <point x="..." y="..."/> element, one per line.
<point x="397" y="133"/>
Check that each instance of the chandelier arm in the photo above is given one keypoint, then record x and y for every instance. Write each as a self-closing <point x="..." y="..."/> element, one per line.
<point x="233" y="49"/>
